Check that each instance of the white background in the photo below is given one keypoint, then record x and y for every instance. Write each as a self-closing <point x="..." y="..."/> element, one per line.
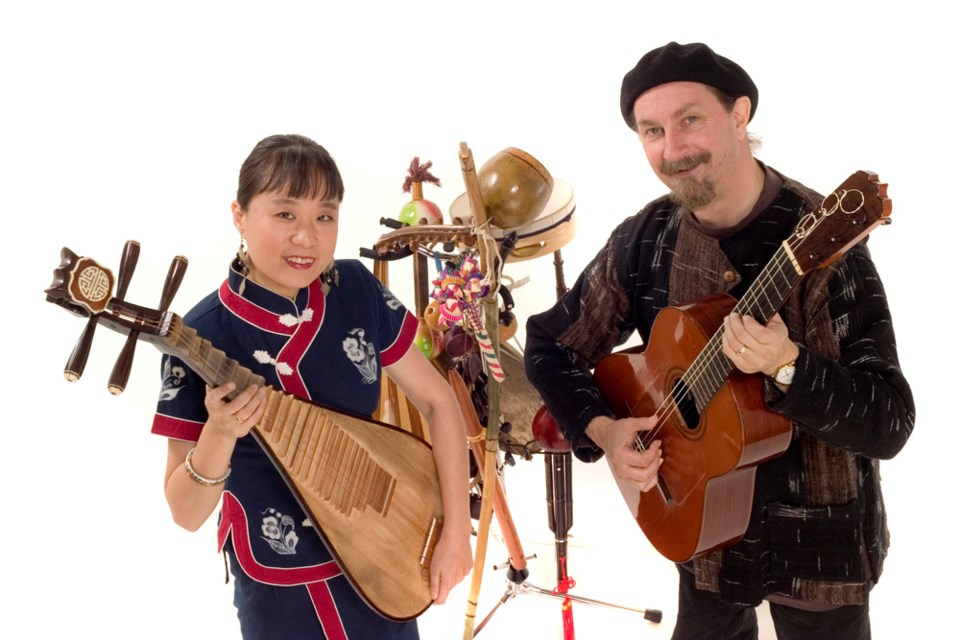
<point x="130" y="120"/>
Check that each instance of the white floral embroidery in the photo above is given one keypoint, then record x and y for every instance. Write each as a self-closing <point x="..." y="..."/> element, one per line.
<point x="172" y="379"/>
<point x="392" y="302"/>
<point x="290" y="320"/>
<point x="279" y="532"/>
<point x="265" y="358"/>
<point x="361" y="353"/>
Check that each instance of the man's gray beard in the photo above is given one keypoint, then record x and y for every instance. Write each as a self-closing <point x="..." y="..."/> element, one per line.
<point x="693" y="195"/>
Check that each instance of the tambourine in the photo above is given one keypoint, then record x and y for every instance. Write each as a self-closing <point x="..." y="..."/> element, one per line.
<point x="551" y="230"/>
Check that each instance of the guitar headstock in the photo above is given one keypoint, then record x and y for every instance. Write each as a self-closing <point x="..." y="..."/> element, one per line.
<point x="85" y="288"/>
<point x="844" y="218"/>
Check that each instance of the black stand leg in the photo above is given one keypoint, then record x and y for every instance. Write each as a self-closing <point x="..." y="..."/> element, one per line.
<point x="559" y="504"/>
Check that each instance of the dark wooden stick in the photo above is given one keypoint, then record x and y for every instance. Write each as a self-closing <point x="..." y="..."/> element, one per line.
<point x="77" y="361"/>
<point x="121" y="369"/>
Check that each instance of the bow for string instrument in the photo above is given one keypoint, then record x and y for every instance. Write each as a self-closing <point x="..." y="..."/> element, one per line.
<point x="713" y="424"/>
<point x="370" y="489"/>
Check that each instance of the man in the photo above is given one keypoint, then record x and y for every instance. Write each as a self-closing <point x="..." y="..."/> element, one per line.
<point x="817" y="535"/>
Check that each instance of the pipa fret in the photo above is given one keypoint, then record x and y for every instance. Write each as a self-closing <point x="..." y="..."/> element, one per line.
<point x="301" y="450"/>
<point x="314" y="450"/>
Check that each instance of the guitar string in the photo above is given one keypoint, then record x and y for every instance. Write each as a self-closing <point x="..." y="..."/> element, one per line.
<point x="704" y="363"/>
<point x="705" y="366"/>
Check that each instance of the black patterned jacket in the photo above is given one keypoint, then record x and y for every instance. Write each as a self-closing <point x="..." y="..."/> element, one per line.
<point x="818" y="526"/>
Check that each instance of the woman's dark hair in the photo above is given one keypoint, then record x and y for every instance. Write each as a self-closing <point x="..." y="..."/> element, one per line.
<point x="292" y="162"/>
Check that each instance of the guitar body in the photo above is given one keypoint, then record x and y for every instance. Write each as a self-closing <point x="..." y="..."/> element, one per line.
<point x="704" y="497"/>
<point x="371" y="491"/>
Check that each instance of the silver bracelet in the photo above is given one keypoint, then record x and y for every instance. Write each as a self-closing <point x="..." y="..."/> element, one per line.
<point x="199" y="479"/>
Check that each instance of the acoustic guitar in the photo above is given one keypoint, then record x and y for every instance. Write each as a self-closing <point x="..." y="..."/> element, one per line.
<point x="370" y="489"/>
<point x="713" y="424"/>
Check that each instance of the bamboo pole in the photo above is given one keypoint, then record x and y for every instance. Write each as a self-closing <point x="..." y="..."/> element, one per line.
<point x="475" y="434"/>
<point x="472" y="184"/>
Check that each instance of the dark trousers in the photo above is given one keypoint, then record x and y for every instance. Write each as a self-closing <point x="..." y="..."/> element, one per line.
<point x="701" y="615"/>
<point x="267" y="612"/>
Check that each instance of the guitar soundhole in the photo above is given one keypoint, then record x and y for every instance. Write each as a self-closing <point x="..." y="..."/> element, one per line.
<point x="685" y="403"/>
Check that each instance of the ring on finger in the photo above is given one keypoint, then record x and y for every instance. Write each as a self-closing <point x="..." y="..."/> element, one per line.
<point x="742" y="348"/>
<point x="238" y="419"/>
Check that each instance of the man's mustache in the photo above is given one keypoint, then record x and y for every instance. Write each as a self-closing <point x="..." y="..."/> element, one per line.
<point x="683" y="164"/>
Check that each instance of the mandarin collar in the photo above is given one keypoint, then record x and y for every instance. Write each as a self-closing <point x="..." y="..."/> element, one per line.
<point x="263" y="297"/>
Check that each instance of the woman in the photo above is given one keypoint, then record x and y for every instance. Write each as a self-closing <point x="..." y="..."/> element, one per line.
<point x="320" y="329"/>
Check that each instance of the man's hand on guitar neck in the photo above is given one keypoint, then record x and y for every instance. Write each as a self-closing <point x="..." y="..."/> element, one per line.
<point x="755" y="348"/>
<point x="619" y="441"/>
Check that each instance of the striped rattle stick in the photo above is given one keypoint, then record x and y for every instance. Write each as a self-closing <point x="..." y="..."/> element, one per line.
<point x="473" y="318"/>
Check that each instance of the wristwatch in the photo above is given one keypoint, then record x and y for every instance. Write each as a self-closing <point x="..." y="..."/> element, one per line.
<point x="784" y="373"/>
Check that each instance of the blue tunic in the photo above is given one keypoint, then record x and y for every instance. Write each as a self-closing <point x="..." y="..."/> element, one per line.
<point x="330" y="349"/>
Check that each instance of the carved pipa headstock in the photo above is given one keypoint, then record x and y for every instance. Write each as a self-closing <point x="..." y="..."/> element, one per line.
<point x="83" y="287"/>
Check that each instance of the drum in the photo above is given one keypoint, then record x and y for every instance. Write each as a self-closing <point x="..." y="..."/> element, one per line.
<point x="551" y="230"/>
<point x="519" y="403"/>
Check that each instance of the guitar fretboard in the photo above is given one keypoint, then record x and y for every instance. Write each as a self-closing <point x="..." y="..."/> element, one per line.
<point x="765" y="296"/>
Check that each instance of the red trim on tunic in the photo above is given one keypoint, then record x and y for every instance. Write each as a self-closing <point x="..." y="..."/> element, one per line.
<point x="296" y="348"/>
<point x="254" y="314"/>
<point x="233" y="522"/>
<point x="395" y="351"/>
<point x="176" y="428"/>
<point x="326" y="609"/>
<point x="302" y="334"/>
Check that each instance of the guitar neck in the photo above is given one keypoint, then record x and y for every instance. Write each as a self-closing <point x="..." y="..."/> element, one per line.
<point x="761" y="301"/>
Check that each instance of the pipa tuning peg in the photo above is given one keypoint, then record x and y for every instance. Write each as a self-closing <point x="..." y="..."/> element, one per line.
<point x="128" y="262"/>
<point x="121" y="368"/>
<point x="178" y="268"/>
<point x="77" y="361"/>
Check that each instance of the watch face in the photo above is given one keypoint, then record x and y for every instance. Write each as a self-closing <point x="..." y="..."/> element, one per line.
<point x="785" y="374"/>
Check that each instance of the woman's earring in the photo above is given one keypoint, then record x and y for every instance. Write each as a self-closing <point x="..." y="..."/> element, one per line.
<point x="331" y="276"/>
<point x="244" y="266"/>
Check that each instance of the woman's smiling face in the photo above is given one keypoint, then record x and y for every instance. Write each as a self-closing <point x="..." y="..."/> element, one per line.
<point x="290" y="241"/>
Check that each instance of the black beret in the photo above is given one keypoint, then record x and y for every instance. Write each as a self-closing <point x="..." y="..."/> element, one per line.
<point x="694" y="62"/>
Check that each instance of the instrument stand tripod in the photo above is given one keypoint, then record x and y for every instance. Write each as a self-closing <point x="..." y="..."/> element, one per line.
<point x="559" y="483"/>
<point x="557" y="461"/>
